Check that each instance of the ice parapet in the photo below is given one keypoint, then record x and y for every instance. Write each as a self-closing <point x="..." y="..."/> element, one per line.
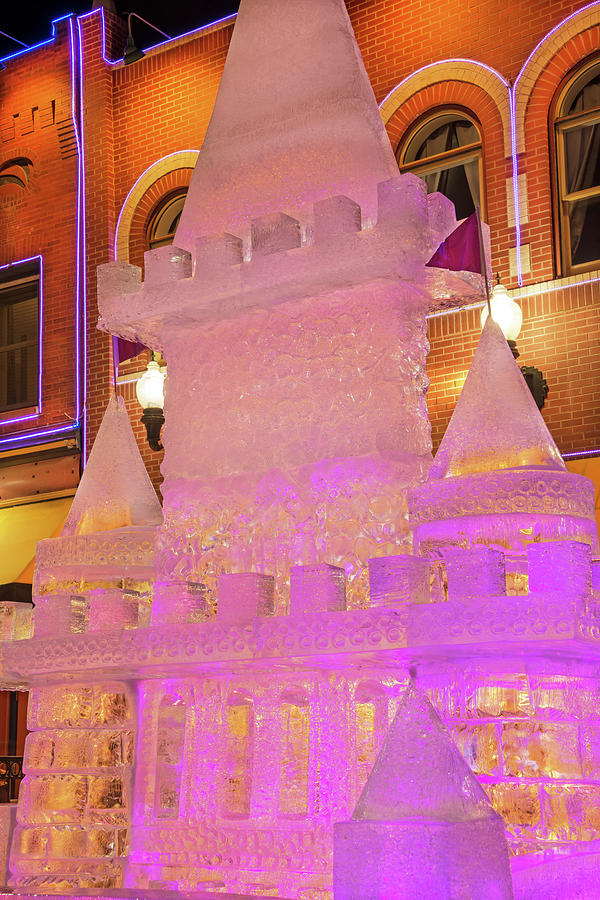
<point x="495" y="424"/>
<point x="423" y="825"/>
<point x="115" y="490"/>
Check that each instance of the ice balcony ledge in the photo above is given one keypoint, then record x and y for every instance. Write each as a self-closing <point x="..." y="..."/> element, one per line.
<point x="495" y="624"/>
<point x="335" y="254"/>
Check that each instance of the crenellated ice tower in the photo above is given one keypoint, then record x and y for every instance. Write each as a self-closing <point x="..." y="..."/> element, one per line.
<point x="210" y="690"/>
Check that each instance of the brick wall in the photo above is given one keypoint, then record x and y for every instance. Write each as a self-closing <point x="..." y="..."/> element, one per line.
<point x="36" y="123"/>
<point x="135" y="116"/>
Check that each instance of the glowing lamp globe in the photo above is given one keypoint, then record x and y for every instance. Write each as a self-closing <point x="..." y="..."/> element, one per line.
<point x="150" y="388"/>
<point x="505" y="312"/>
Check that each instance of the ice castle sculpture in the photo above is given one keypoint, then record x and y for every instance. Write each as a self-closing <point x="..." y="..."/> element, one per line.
<point x="209" y="693"/>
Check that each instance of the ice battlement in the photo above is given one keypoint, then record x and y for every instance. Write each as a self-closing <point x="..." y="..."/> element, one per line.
<point x="283" y="261"/>
<point x="416" y="605"/>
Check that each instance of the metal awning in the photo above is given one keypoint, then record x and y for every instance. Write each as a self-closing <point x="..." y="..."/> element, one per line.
<point x="21" y="527"/>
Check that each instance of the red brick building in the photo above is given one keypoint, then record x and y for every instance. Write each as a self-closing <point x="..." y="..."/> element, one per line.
<point x="95" y="157"/>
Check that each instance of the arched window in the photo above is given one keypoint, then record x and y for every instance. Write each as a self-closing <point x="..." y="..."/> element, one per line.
<point x="445" y="151"/>
<point x="577" y="130"/>
<point x="165" y="219"/>
<point x="237" y="775"/>
<point x="293" y="777"/>
<point x="169" y="757"/>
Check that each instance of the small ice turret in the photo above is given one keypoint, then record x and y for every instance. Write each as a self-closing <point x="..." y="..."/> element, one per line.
<point x="423" y="826"/>
<point x="115" y="490"/>
<point x="498" y="478"/>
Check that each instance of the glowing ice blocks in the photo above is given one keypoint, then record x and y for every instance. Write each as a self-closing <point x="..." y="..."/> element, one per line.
<point x="320" y="588"/>
<point x="398" y="579"/>
<point x="423" y="826"/>
<point x="474" y="573"/>
<point x="495" y="424"/>
<point x="314" y="136"/>
<point x="560" y="569"/>
<point x="243" y="596"/>
<point x="115" y="489"/>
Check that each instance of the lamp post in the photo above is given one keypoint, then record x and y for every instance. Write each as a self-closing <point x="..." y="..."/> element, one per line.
<point x="150" y="394"/>
<point x="507" y="313"/>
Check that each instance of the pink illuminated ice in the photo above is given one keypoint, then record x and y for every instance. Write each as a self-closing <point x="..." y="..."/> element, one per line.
<point x="423" y="826"/>
<point x="496" y="423"/>
<point x="295" y="120"/>
<point x="115" y="490"/>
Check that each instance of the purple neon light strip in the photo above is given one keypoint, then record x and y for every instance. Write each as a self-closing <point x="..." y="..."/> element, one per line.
<point x="117" y="62"/>
<point x="81" y="299"/>
<point x="40" y="338"/>
<point x="513" y="130"/>
<point x="49" y="40"/>
<point x="454" y="59"/>
<point x="44" y="432"/>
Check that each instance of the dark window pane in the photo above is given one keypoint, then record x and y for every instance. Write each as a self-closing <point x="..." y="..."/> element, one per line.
<point x="584" y="94"/>
<point x="460" y="184"/>
<point x="582" y="152"/>
<point x="19" y="343"/>
<point x="584" y="226"/>
<point x="442" y="134"/>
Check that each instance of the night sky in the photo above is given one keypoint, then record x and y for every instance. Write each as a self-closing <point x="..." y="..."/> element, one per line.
<point x="30" y="22"/>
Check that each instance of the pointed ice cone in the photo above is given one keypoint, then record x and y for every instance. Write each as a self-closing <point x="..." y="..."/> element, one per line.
<point x="115" y="489"/>
<point x="420" y="773"/>
<point x="496" y="423"/>
<point x="295" y="120"/>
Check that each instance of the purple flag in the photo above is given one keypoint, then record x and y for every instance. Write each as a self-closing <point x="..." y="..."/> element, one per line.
<point x="460" y="252"/>
<point x="124" y="350"/>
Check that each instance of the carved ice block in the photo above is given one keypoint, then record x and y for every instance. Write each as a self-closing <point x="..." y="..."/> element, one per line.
<point x="402" y="204"/>
<point x="112" y="609"/>
<point x="179" y="602"/>
<point x="334" y="216"/>
<point x="215" y="253"/>
<point x="274" y="233"/>
<point x="52" y="616"/>
<point x="243" y="596"/>
<point x="118" y="278"/>
<point x="414" y="859"/>
<point x="398" y="579"/>
<point x="164" y="264"/>
<point x="596" y="576"/>
<point x="560" y="569"/>
<point x="474" y="573"/>
<point x="320" y="588"/>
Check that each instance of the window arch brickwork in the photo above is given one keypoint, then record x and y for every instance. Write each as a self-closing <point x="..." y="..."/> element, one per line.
<point x="166" y="184"/>
<point x="536" y="162"/>
<point x="496" y="165"/>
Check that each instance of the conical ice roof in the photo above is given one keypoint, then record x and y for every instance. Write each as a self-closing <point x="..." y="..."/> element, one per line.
<point x="295" y="120"/>
<point x="496" y="423"/>
<point x="115" y="489"/>
<point x="420" y="773"/>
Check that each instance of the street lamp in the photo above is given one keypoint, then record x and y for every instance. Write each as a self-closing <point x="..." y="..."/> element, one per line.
<point x="151" y="397"/>
<point x="507" y="313"/>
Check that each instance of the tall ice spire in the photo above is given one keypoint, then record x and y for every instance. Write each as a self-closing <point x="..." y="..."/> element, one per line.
<point x="295" y="120"/>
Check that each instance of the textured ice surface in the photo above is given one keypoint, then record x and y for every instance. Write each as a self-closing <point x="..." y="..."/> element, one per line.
<point x="420" y="773"/>
<point x="495" y="424"/>
<point x="295" y="120"/>
<point x="115" y="489"/>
